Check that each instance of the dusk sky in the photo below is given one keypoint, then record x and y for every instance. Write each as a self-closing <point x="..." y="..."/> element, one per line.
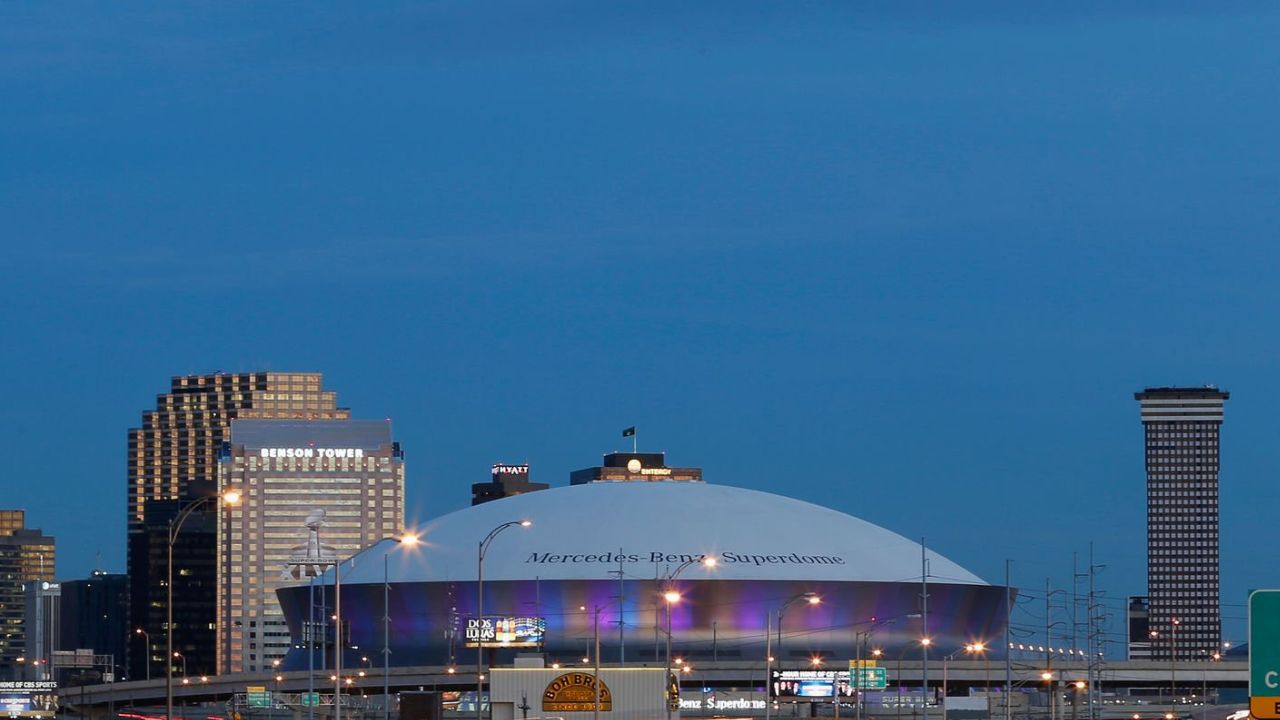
<point x="908" y="262"/>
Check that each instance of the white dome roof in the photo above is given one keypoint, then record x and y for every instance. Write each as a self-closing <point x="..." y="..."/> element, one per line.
<point x="579" y="532"/>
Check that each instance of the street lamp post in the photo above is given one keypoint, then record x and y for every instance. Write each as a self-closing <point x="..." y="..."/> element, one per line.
<point x="481" y="550"/>
<point x="275" y="691"/>
<point x="863" y="640"/>
<point x="981" y="648"/>
<point x="183" y="658"/>
<point x="1173" y="664"/>
<point x="860" y="639"/>
<point x="408" y="540"/>
<point x="672" y="596"/>
<point x="230" y="497"/>
<point x="946" y="659"/>
<point x="968" y="649"/>
<point x="1204" y="690"/>
<point x="146" y="640"/>
<point x="1053" y="700"/>
<point x="809" y="597"/>
<point x="595" y="681"/>
<point x="925" y="642"/>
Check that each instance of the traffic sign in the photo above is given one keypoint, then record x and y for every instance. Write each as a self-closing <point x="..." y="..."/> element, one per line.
<point x="872" y="678"/>
<point x="1264" y="654"/>
<point x="257" y="696"/>
<point x="309" y="698"/>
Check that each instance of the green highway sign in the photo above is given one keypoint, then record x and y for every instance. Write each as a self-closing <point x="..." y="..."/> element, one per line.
<point x="869" y="678"/>
<point x="257" y="697"/>
<point x="1264" y="654"/>
<point x="311" y="698"/>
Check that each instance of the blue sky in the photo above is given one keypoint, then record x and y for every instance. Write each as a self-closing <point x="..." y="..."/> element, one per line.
<point x="905" y="261"/>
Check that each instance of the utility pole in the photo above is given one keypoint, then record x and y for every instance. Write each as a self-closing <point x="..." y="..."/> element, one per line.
<point x="1048" y="649"/>
<point x="1096" y="617"/>
<point x="768" y="663"/>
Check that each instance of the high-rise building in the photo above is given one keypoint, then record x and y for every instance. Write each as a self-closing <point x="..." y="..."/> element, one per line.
<point x="94" y="615"/>
<point x="26" y="556"/>
<point x="1137" y="615"/>
<point x="313" y="491"/>
<point x="506" y="480"/>
<point x="173" y="462"/>
<point x="1181" y="426"/>
<point x="40" y="614"/>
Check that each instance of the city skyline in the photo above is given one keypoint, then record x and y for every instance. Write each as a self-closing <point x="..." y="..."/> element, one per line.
<point x="908" y="266"/>
<point x="1115" y="606"/>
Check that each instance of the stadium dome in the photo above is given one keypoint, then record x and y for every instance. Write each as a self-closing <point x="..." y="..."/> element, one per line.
<point x="614" y="547"/>
<point x="582" y="532"/>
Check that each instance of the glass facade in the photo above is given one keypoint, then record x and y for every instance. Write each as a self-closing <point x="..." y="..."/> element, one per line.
<point x="26" y="556"/>
<point x="310" y="492"/>
<point x="173" y="461"/>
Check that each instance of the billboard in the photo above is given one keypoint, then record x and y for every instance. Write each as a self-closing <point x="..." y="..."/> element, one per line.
<point x="28" y="699"/>
<point x="809" y="684"/>
<point x="505" y="631"/>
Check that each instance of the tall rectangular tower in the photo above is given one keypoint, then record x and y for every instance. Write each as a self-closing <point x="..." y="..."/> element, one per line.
<point x="324" y="490"/>
<point x="26" y="555"/>
<point x="173" y="462"/>
<point x="1182" y="426"/>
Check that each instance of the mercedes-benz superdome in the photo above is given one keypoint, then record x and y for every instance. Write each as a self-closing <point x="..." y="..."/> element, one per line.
<point x="603" y="556"/>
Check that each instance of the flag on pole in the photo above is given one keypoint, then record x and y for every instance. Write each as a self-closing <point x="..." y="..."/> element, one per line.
<point x="629" y="432"/>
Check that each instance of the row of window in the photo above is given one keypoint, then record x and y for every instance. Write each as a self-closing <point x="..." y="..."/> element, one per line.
<point x="1156" y="430"/>
<point x="1193" y="492"/>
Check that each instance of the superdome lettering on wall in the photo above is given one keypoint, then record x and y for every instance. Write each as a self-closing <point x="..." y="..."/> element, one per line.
<point x="726" y="558"/>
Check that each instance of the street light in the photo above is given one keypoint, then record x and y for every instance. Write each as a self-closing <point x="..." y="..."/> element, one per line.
<point x="672" y="596"/>
<point x="1204" y="676"/>
<point x="481" y="550"/>
<point x="146" y="640"/>
<point x="980" y="648"/>
<point x="595" y="678"/>
<point x="409" y="540"/>
<point x="946" y="659"/>
<point x="862" y="639"/>
<point x="1048" y="677"/>
<point x="230" y="497"/>
<point x="812" y="599"/>
<point x="1173" y="664"/>
<point x="183" y="658"/>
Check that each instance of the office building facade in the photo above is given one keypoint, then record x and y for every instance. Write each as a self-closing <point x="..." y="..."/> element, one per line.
<point x="506" y="480"/>
<point x="172" y="463"/>
<point x="1138" y="629"/>
<point x="93" y="613"/>
<point x="1182" y="428"/>
<point x="310" y="492"/>
<point x="40" y="620"/>
<point x="26" y="556"/>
